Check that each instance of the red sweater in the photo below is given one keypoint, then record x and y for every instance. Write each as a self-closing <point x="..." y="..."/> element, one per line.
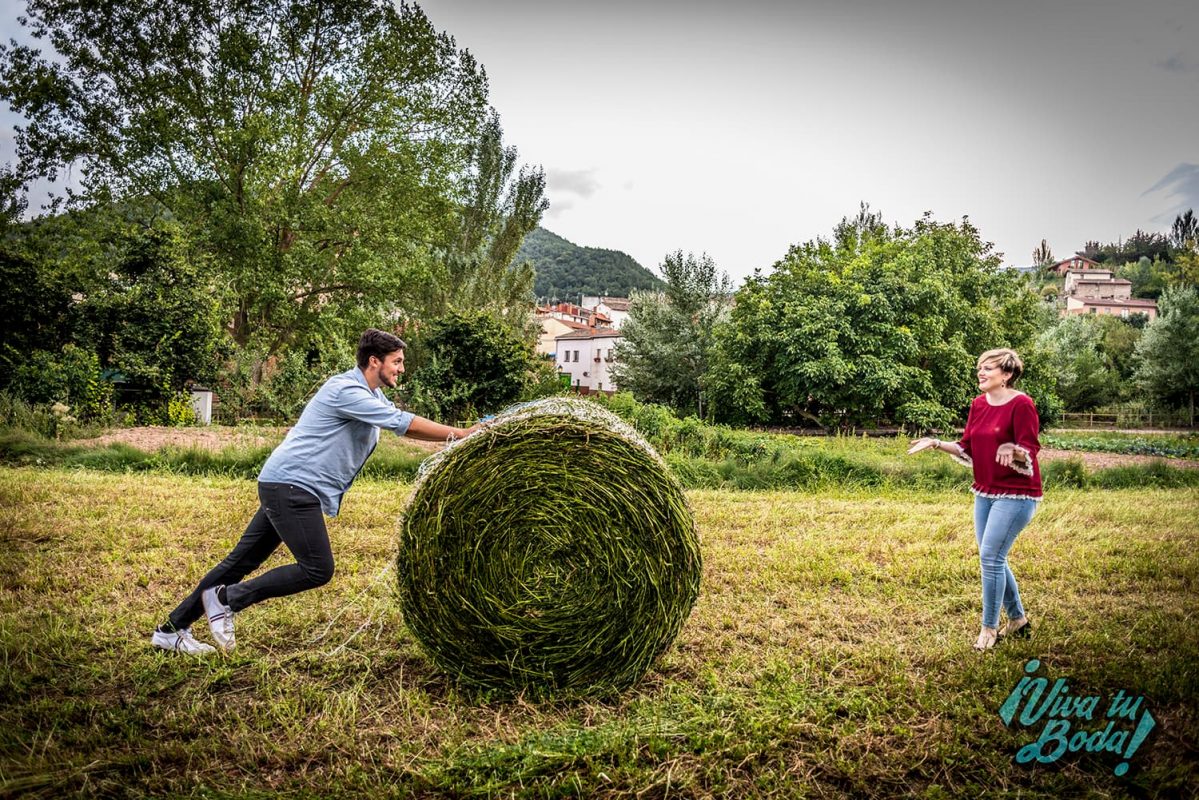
<point x="988" y="427"/>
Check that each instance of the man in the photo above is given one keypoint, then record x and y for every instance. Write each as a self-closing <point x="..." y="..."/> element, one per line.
<point x="307" y="474"/>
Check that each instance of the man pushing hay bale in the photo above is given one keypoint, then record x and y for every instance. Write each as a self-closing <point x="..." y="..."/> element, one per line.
<point x="550" y="553"/>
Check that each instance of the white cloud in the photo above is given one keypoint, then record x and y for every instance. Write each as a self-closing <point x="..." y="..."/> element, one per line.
<point x="581" y="182"/>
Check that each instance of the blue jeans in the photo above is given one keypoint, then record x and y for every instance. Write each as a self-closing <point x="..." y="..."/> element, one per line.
<point x="996" y="524"/>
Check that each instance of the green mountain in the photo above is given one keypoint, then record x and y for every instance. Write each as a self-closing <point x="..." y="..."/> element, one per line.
<point x="565" y="270"/>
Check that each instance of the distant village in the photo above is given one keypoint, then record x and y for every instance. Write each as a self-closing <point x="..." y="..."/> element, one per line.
<point x="582" y="340"/>
<point x="1089" y="288"/>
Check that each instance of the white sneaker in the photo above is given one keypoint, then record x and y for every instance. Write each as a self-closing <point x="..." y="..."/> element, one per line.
<point x="180" y="642"/>
<point x="220" y="619"/>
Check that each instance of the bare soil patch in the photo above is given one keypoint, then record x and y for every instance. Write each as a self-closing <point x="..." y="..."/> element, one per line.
<point x="214" y="437"/>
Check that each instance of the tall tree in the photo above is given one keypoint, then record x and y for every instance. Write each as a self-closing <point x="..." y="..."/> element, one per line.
<point x="1041" y="254"/>
<point x="312" y="150"/>
<point x="1083" y="375"/>
<point x="477" y="269"/>
<point x="669" y="339"/>
<point x="1184" y="234"/>
<point x="1168" y="352"/>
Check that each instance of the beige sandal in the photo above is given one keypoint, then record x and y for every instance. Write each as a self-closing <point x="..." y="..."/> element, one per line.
<point x="987" y="638"/>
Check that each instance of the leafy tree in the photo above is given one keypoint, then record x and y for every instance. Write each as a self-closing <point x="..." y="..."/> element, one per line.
<point x="1150" y="278"/>
<point x="468" y="364"/>
<point x="1083" y="376"/>
<point x="103" y="290"/>
<point x="1168" y="352"/>
<point x="874" y="325"/>
<point x="155" y="318"/>
<point x="1141" y="244"/>
<point x="668" y="341"/>
<point x="1118" y="343"/>
<point x="312" y="151"/>
<point x="1187" y="262"/>
<point x="34" y="309"/>
<point x="479" y="269"/>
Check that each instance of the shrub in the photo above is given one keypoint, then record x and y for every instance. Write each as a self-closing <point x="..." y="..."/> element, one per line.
<point x="1067" y="473"/>
<point x="70" y="376"/>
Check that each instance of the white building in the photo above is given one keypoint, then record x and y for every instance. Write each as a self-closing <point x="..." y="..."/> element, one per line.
<point x="586" y="357"/>
<point x="614" y="308"/>
<point x="1076" y="276"/>
<point x="551" y="329"/>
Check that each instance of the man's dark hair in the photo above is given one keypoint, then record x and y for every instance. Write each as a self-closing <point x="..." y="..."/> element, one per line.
<point x="378" y="344"/>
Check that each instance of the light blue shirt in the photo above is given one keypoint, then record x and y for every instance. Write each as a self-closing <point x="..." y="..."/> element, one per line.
<point x="334" y="436"/>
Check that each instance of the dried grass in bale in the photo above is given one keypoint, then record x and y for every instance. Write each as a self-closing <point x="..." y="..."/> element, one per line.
<point x="551" y="554"/>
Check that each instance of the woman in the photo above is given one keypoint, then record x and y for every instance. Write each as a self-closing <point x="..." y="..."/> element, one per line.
<point x="1000" y="444"/>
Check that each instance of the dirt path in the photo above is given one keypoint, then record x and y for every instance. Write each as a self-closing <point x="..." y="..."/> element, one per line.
<point x="215" y="437"/>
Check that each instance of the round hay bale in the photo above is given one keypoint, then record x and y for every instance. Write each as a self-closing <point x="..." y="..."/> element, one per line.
<point x="550" y="553"/>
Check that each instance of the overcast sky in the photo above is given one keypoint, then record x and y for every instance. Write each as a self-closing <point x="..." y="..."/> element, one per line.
<point x="740" y="129"/>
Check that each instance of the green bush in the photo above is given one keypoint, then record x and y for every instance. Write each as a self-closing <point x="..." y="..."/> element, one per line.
<point x="1157" y="474"/>
<point x="70" y="376"/>
<point x="1068" y="473"/>
<point x="257" y="388"/>
<point x="465" y="365"/>
<point x="180" y="412"/>
<point x="21" y="415"/>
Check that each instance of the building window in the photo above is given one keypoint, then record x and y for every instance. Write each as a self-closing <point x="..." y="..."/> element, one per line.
<point x="576" y="355"/>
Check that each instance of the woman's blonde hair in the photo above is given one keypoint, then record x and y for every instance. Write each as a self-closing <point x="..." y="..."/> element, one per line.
<point x="1007" y="360"/>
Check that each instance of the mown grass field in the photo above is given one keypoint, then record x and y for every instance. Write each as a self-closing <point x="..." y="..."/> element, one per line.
<point x="828" y="655"/>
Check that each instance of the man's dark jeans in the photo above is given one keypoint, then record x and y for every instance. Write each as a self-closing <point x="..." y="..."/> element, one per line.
<point x="286" y="514"/>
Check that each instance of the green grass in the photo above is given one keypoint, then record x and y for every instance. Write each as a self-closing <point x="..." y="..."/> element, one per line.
<point x="1153" y="444"/>
<point x="828" y="655"/>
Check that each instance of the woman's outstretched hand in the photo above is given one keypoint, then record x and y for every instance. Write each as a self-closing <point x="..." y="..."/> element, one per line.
<point x="921" y="444"/>
<point x="1007" y="454"/>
